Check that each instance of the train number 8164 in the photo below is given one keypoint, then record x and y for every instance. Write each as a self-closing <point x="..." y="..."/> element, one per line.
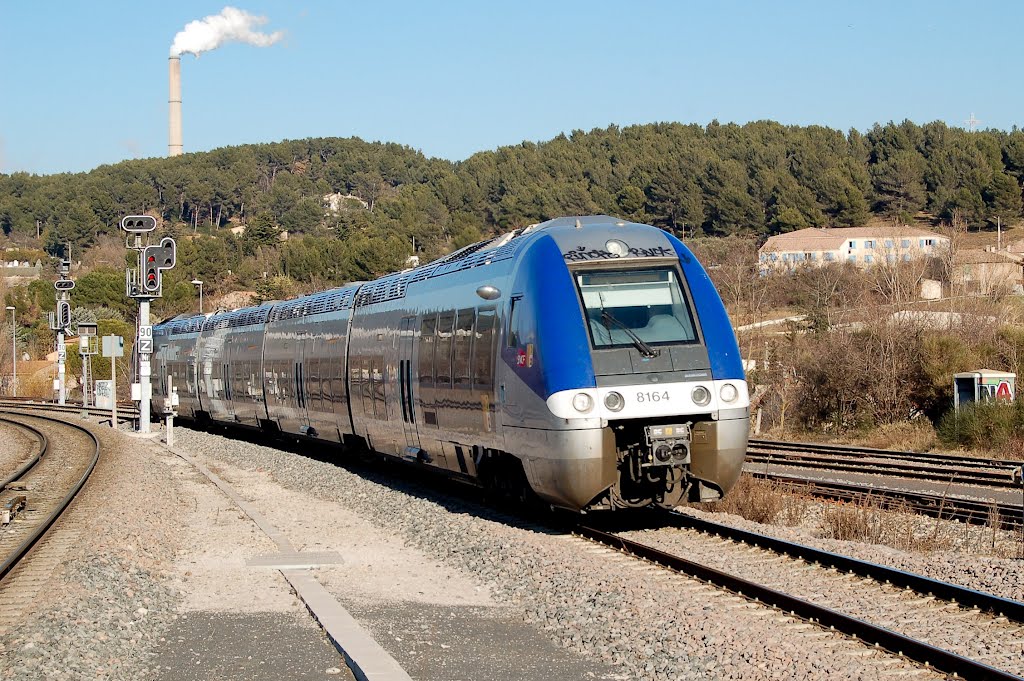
<point x="652" y="397"/>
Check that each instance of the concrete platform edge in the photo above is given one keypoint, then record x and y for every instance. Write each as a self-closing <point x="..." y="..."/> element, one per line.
<point x="364" y="656"/>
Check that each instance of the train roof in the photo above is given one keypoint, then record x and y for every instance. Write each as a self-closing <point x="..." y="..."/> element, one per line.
<point x="183" y="323"/>
<point x="244" y="316"/>
<point x="501" y="247"/>
<point x="392" y="286"/>
<point x="315" y="303"/>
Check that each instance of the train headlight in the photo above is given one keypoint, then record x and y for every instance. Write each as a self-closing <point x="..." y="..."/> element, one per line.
<point x="729" y="393"/>
<point x="701" y="396"/>
<point x="614" y="401"/>
<point x="582" y="402"/>
<point x="616" y="248"/>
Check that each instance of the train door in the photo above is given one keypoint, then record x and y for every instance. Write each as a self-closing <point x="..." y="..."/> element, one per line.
<point x="303" y="354"/>
<point x="514" y="352"/>
<point x="406" y="383"/>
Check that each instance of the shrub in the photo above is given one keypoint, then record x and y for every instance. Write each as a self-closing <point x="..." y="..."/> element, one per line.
<point x="984" y="425"/>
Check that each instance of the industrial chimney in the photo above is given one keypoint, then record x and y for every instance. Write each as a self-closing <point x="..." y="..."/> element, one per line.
<point x="174" y="147"/>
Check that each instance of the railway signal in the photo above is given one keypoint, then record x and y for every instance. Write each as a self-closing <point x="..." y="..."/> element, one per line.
<point x="156" y="259"/>
<point x="145" y="284"/>
<point x="63" y="315"/>
<point x="138" y="224"/>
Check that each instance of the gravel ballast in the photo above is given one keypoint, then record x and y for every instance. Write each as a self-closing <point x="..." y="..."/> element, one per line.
<point x="645" y="622"/>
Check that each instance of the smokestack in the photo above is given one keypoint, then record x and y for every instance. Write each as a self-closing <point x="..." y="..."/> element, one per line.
<point x="202" y="35"/>
<point x="174" y="147"/>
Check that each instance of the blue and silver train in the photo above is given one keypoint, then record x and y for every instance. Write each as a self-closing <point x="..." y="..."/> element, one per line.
<point x="587" y="359"/>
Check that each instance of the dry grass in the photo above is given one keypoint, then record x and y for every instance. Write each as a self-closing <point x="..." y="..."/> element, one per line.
<point x="868" y="519"/>
<point x="848" y="522"/>
<point x="37" y="386"/>
<point x="761" y="501"/>
<point x="908" y="436"/>
<point x="895" y="525"/>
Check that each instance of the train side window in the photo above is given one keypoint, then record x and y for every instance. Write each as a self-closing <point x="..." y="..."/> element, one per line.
<point x="338" y="386"/>
<point x="512" y="336"/>
<point x="483" y="350"/>
<point x="368" y="386"/>
<point x="443" y="351"/>
<point x="426" y="350"/>
<point x="355" y="381"/>
<point x="310" y="378"/>
<point x="461" y="366"/>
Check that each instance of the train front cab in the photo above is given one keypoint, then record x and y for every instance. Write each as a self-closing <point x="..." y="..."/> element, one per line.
<point x="635" y="407"/>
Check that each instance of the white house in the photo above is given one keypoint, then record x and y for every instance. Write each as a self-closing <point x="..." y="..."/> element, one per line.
<point x="861" y="246"/>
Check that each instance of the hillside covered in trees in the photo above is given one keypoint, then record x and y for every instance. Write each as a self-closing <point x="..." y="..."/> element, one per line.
<point x="391" y="201"/>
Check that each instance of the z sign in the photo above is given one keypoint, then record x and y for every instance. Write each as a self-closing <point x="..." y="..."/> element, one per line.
<point x="145" y="340"/>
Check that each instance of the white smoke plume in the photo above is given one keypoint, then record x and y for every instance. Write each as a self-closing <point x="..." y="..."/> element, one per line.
<point x="231" y="25"/>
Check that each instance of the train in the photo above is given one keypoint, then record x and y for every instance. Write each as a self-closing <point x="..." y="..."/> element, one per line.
<point x="586" y="361"/>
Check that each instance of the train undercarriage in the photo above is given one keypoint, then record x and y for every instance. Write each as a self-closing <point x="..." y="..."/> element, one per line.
<point x="652" y="462"/>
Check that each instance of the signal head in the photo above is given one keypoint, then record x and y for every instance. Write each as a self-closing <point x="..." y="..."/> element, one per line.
<point x="138" y="224"/>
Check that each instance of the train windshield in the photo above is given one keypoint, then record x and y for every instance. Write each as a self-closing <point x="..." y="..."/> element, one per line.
<point x="640" y="308"/>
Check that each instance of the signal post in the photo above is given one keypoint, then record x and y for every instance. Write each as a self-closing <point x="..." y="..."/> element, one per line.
<point x="145" y="284"/>
<point x="60" y="321"/>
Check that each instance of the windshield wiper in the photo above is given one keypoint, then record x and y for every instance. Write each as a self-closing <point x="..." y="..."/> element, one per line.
<point x="645" y="349"/>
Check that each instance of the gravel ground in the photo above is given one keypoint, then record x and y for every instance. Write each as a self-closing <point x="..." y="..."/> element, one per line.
<point x="18" y="446"/>
<point x="149" y="555"/>
<point x="140" y="561"/>
<point x="111" y="592"/>
<point x="649" y="624"/>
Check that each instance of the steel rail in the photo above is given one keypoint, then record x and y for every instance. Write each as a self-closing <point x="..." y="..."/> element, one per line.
<point x="22" y="549"/>
<point x="44" y="443"/>
<point x="973" y="511"/>
<point x="927" y="586"/>
<point x="919" y="651"/>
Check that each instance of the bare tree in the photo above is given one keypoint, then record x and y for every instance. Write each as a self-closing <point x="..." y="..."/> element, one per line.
<point x="956" y="231"/>
<point x="825" y="293"/>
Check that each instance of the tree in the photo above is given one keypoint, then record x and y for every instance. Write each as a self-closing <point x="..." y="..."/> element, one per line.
<point x="731" y="209"/>
<point x="1003" y="198"/>
<point x="899" y="184"/>
<point x="261" y="231"/>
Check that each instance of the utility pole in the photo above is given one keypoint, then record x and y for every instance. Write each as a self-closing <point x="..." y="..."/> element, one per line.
<point x="14" y="352"/>
<point x="199" y="283"/>
<point x="145" y="284"/>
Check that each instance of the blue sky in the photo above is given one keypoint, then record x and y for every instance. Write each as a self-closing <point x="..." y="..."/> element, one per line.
<point x="85" y="83"/>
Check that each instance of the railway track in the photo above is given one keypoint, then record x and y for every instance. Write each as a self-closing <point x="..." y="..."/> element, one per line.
<point x="45" y="486"/>
<point x="943" y="506"/>
<point x="945" y="468"/>
<point x="910" y="612"/>
<point x="126" y="411"/>
<point x="17" y="464"/>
